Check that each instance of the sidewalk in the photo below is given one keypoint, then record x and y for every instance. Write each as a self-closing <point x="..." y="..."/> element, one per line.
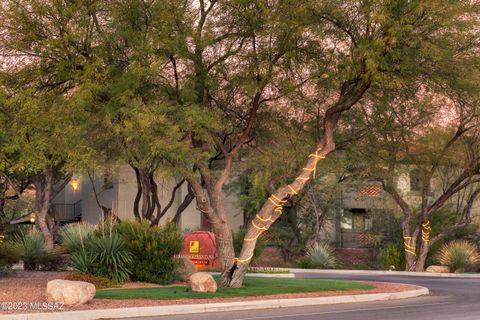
<point x="213" y="307"/>
<point x="386" y="272"/>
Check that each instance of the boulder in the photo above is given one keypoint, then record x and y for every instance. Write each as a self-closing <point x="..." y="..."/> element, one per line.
<point x="70" y="292"/>
<point x="184" y="268"/>
<point x="202" y="282"/>
<point x="438" y="269"/>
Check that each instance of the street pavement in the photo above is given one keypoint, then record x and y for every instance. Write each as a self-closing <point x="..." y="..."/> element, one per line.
<point x="449" y="299"/>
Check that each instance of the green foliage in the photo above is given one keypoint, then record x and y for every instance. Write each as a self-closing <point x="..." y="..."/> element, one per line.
<point x="459" y="255"/>
<point x="74" y="236"/>
<point x="238" y="243"/>
<point x="445" y="218"/>
<point x="305" y="263"/>
<point x="321" y="256"/>
<point x="9" y="254"/>
<point x="97" y="253"/>
<point x="34" y="250"/>
<point x="389" y="224"/>
<point x="112" y="258"/>
<point x="392" y="257"/>
<point x="99" y="282"/>
<point x="153" y="250"/>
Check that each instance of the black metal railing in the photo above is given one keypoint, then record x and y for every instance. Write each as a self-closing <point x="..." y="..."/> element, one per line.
<point x="67" y="212"/>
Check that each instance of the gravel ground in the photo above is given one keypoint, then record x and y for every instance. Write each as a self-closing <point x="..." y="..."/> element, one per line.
<point x="29" y="286"/>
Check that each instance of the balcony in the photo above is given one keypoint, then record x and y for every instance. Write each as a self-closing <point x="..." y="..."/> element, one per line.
<point x="64" y="213"/>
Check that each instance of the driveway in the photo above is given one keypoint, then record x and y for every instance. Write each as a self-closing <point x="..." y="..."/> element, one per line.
<point x="450" y="299"/>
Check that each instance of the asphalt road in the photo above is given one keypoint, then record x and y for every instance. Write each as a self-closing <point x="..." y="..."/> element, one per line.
<point x="449" y="299"/>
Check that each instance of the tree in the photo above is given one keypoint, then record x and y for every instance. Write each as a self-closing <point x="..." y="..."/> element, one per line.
<point x="409" y="143"/>
<point x="41" y="53"/>
<point x="383" y="45"/>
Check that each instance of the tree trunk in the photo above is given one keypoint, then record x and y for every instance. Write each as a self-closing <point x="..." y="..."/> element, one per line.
<point x="147" y="194"/>
<point x="47" y="185"/>
<point x="416" y="257"/>
<point x="43" y="202"/>
<point x="351" y="92"/>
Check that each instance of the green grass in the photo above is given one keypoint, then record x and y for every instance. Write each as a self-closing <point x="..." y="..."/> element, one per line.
<point x="252" y="287"/>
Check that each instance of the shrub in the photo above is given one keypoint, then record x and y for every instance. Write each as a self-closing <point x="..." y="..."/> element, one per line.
<point x="392" y="255"/>
<point x="238" y="243"/>
<point x="458" y="255"/>
<point x="74" y="236"/>
<point x="96" y="252"/>
<point x="305" y="263"/>
<point x="105" y="256"/>
<point x="9" y="254"/>
<point x="34" y="250"/>
<point x="321" y="256"/>
<point x="153" y="249"/>
<point x="98" y="282"/>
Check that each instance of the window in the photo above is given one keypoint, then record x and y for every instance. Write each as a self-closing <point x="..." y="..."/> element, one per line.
<point x="356" y="219"/>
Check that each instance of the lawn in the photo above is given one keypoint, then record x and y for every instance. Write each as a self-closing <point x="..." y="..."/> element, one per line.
<point x="252" y="287"/>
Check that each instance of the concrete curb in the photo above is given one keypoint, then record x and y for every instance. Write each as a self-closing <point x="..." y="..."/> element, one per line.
<point x="213" y="307"/>
<point x="390" y="273"/>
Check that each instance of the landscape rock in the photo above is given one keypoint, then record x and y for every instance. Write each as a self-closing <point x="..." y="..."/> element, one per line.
<point x="438" y="269"/>
<point x="202" y="282"/>
<point x="185" y="268"/>
<point x="70" y="292"/>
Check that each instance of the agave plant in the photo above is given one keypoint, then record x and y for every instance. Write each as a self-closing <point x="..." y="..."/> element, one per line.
<point x="458" y="255"/>
<point x="321" y="256"/>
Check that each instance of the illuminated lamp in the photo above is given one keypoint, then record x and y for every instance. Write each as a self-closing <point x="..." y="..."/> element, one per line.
<point x="32" y="218"/>
<point x="75" y="184"/>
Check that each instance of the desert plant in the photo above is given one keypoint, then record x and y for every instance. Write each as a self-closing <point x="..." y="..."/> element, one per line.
<point x="321" y="256"/>
<point x="305" y="263"/>
<point x="458" y="255"/>
<point x="99" y="282"/>
<point x="112" y="257"/>
<point x="9" y="254"/>
<point x="97" y="251"/>
<point x="153" y="248"/>
<point x="83" y="261"/>
<point x="392" y="256"/>
<point x="33" y="249"/>
<point x="75" y="236"/>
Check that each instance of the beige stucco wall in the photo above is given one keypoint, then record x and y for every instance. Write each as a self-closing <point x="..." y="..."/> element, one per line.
<point x="122" y="195"/>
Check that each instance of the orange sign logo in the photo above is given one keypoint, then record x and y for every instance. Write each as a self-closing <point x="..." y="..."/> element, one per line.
<point x="194" y="246"/>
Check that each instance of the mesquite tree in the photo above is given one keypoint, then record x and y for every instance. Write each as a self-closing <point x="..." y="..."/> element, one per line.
<point x="385" y="43"/>
<point x="426" y="153"/>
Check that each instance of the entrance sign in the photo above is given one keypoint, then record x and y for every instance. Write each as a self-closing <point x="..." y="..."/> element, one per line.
<point x="200" y="247"/>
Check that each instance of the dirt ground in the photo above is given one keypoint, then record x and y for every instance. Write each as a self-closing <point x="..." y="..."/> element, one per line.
<point x="29" y="286"/>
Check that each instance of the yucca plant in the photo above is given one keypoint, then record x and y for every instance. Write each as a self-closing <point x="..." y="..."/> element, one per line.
<point x="33" y="249"/>
<point x="458" y="255"/>
<point x="75" y="237"/>
<point x="112" y="258"/>
<point x="321" y="256"/>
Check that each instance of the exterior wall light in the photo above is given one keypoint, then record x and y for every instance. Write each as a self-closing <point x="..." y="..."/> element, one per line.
<point x="75" y="184"/>
<point x="32" y="218"/>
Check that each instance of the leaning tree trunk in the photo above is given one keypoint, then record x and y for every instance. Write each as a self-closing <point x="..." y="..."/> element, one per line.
<point x="351" y="93"/>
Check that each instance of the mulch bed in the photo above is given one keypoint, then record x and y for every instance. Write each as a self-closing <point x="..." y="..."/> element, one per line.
<point x="29" y="286"/>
